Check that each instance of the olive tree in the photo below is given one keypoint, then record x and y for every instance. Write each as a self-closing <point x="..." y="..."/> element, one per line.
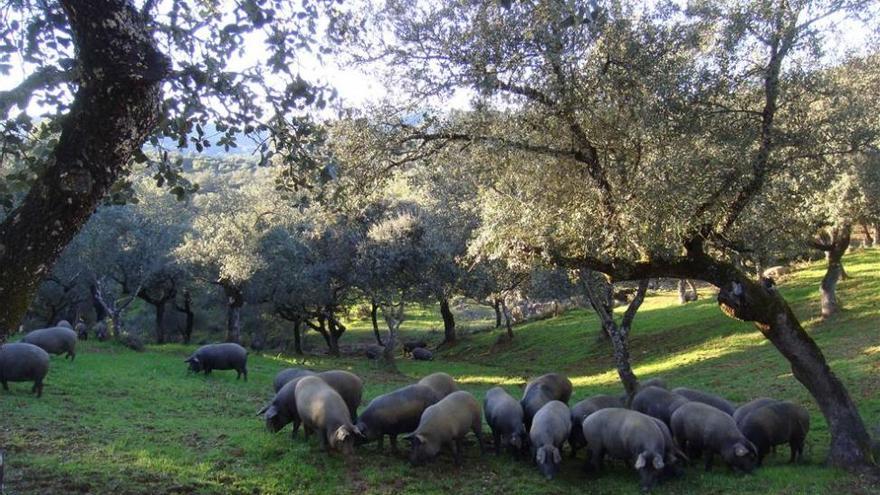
<point x="105" y="77"/>
<point x="591" y="114"/>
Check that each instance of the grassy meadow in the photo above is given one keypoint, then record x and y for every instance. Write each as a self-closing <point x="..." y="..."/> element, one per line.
<point x="120" y="422"/>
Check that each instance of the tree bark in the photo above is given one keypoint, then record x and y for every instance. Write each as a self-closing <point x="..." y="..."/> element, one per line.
<point x="507" y="322"/>
<point x="118" y="103"/>
<point x="496" y="305"/>
<point x="190" y="316"/>
<point x="449" y="336"/>
<point x="374" y="310"/>
<point x="835" y="243"/>
<point x="160" y="323"/>
<point x="393" y="315"/>
<point x="234" y="303"/>
<point x="297" y="336"/>
<point x="682" y="292"/>
<point x="744" y="299"/>
<point x="618" y="334"/>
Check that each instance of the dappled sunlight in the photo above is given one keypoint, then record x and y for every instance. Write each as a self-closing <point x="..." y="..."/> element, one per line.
<point x="872" y="351"/>
<point x="712" y="349"/>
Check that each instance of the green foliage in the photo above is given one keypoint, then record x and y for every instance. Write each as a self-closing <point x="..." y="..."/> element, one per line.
<point x="124" y="422"/>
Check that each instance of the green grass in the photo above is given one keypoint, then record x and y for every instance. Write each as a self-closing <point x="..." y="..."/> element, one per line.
<point x="119" y="422"/>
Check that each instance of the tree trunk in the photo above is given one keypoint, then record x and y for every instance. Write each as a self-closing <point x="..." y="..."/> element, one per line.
<point x="746" y="300"/>
<point x="682" y="292"/>
<point x="618" y="334"/>
<point x="234" y="302"/>
<point x="190" y="316"/>
<point x="393" y="314"/>
<point x="876" y="237"/>
<point x="374" y="310"/>
<point x="869" y="239"/>
<point x="507" y="323"/>
<point x="160" y="323"/>
<point x="496" y="305"/>
<point x="449" y="336"/>
<point x="116" y="106"/>
<point x="297" y="336"/>
<point x="834" y="250"/>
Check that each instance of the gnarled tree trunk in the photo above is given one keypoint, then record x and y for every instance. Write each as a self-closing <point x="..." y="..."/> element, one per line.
<point x="834" y="242"/>
<point x="449" y="336"/>
<point x="496" y="305"/>
<point x="597" y="288"/>
<point x="117" y="105"/>
<point x="374" y="318"/>
<point x="234" y="303"/>
<point x="762" y="304"/>
<point x="186" y="309"/>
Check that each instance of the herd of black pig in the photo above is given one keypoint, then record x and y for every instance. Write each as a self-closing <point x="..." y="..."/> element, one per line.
<point x="657" y="435"/>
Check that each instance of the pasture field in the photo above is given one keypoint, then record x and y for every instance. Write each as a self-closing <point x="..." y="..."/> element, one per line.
<point x="120" y="422"/>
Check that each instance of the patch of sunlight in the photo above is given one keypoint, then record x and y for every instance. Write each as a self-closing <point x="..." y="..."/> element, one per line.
<point x="160" y="464"/>
<point x="870" y="351"/>
<point x="490" y="380"/>
<point x="295" y="361"/>
<point x="712" y="349"/>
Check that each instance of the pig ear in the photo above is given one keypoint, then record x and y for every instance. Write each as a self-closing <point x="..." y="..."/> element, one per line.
<point x="357" y="432"/>
<point x="752" y="447"/>
<point x="271" y="412"/>
<point x="541" y="456"/>
<point x="640" y="461"/>
<point x="740" y="450"/>
<point x="342" y="433"/>
<point x="658" y="462"/>
<point x="557" y="457"/>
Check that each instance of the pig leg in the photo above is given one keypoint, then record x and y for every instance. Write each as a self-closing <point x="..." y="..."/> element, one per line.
<point x="478" y="432"/>
<point x="381" y="442"/>
<point x="497" y="438"/>
<point x="392" y="439"/>
<point x="456" y="451"/>
<point x="38" y="387"/>
<point x="296" y="423"/>
<point x="709" y="457"/>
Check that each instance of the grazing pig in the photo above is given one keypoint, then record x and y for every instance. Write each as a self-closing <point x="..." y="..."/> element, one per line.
<point x="227" y="356"/>
<point x="395" y="413"/>
<point x="323" y="411"/>
<point x="54" y="340"/>
<point x="702" y="429"/>
<point x="282" y="409"/>
<point x="446" y="423"/>
<point x="542" y="390"/>
<point x="650" y="382"/>
<point x="82" y="331"/>
<point x="551" y="427"/>
<point x="374" y="351"/>
<point x="706" y="398"/>
<point x="441" y="383"/>
<point x="348" y="385"/>
<point x="101" y="331"/>
<point x="657" y="402"/>
<point x="64" y="324"/>
<point x="422" y="354"/>
<point x="631" y="436"/>
<point x="504" y="414"/>
<point x="744" y="410"/>
<point x="23" y="362"/>
<point x="412" y="345"/>
<point x="776" y="424"/>
<point x="288" y="374"/>
<point x="579" y="413"/>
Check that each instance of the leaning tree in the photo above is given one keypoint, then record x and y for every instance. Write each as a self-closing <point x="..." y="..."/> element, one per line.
<point x="638" y="145"/>
<point x="103" y="77"/>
